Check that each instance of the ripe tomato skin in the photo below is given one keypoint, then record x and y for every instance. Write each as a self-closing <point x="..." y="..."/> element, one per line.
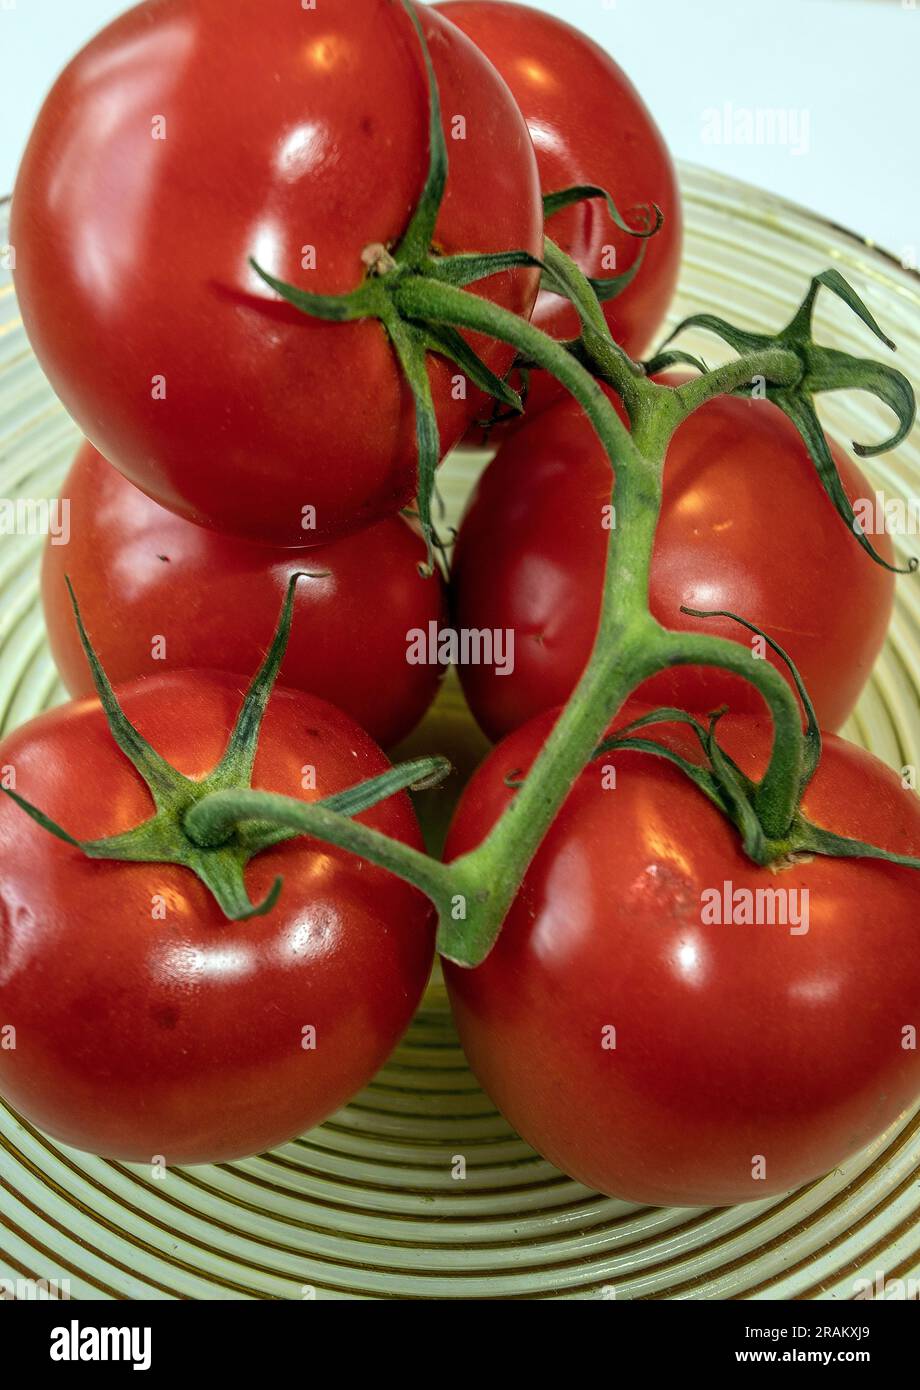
<point x="132" y="251"/>
<point x="589" y="126"/>
<point x="732" y="1041"/>
<point x="745" y="527"/>
<point x="142" y="572"/>
<point x="182" y="1037"/>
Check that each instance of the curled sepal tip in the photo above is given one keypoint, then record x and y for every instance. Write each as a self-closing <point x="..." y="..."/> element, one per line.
<point x="235" y="903"/>
<point x="823" y="369"/>
<point x="651" y="214"/>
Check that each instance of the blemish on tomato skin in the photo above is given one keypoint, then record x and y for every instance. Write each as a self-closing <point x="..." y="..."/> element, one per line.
<point x="17" y="922"/>
<point x="165" y="1016"/>
<point x="667" y="890"/>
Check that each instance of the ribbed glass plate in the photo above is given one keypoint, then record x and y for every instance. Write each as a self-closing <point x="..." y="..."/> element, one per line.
<point x="366" y="1206"/>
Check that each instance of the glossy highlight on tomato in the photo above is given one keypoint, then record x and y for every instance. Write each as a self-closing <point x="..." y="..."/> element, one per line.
<point x="668" y="1058"/>
<point x="589" y="125"/>
<point x="746" y="527"/>
<point x="159" y="593"/>
<point x="148" y="1027"/>
<point x="189" y="136"/>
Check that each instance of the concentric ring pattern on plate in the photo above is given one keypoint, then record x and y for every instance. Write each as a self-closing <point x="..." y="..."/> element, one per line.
<point x="367" y="1206"/>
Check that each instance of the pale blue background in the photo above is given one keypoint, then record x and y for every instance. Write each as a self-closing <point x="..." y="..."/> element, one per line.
<point x="854" y="64"/>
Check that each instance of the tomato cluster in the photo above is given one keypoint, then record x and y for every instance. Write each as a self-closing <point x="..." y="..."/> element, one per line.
<point x="237" y="438"/>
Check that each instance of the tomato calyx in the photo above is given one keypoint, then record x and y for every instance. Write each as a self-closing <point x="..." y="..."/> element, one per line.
<point x="735" y="795"/>
<point x="557" y="278"/>
<point x="183" y="829"/>
<point x="413" y="340"/>
<point x="414" y="332"/>
<point x="821" y="369"/>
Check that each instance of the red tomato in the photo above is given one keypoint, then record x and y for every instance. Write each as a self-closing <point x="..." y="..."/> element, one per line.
<point x="146" y="1023"/>
<point x="746" y="527"/>
<point x="746" y="1059"/>
<point x="188" y="137"/>
<point x="142" y="575"/>
<point x="589" y="125"/>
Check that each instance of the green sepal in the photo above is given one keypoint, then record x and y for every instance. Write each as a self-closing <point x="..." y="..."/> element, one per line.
<point x="830" y="370"/>
<point x="800" y="327"/>
<point x="359" y="303"/>
<point x="41" y="819"/>
<point x="823" y="369"/>
<point x="800" y="410"/>
<point x="235" y="767"/>
<point x="499" y="416"/>
<point x="664" y="361"/>
<point x="705" y="779"/>
<point x="469" y="268"/>
<point x="738" y="338"/>
<point x="610" y="287"/>
<point x="410" y="345"/>
<point x="447" y="342"/>
<point x="416" y="243"/>
<point x="420" y="775"/>
<point x="164" y="782"/>
<point x="737" y="791"/>
<point x="809" y="838"/>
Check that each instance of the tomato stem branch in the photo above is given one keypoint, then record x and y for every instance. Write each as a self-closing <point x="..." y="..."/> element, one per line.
<point x="776" y="365"/>
<point x="221" y="814"/>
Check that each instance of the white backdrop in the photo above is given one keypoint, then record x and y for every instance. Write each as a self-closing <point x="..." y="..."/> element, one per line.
<point x="841" y="74"/>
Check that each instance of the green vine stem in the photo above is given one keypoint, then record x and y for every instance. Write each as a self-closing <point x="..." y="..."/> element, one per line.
<point x="477" y="890"/>
<point x="630" y="645"/>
